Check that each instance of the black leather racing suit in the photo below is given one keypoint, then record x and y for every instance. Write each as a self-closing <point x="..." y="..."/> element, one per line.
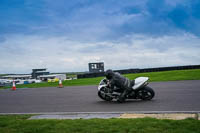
<point x="122" y="83"/>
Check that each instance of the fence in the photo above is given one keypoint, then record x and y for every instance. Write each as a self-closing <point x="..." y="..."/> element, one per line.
<point x="127" y="71"/>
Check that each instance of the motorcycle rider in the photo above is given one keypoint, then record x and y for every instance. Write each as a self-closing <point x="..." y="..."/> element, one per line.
<point x="116" y="79"/>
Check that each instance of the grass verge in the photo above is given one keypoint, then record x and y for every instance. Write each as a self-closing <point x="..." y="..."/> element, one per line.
<point x="20" y="124"/>
<point x="193" y="74"/>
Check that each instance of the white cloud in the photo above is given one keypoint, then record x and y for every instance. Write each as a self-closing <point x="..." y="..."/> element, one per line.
<point x="20" y="54"/>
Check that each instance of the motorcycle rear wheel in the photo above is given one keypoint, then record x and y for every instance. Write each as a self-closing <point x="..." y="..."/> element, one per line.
<point x="147" y="93"/>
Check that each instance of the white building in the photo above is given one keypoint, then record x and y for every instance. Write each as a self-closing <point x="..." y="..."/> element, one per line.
<point x="53" y="76"/>
<point x="14" y="77"/>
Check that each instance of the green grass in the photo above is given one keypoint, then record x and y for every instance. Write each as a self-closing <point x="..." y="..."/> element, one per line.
<point x="20" y="124"/>
<point x="3" y="74"/>
<point x="193" y="74"/>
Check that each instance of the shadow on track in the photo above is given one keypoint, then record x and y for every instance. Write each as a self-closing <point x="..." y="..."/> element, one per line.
<point x="126" y="102"/>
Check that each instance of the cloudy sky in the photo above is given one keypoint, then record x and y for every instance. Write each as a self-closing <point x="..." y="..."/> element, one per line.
<point x="65" y="35"/>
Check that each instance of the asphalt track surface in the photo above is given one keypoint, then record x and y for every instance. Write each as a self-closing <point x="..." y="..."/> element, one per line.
<point x="170" y="96"/>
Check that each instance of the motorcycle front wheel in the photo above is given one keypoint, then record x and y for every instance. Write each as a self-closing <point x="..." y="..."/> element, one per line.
<point x="104" y="97"/>
<point x="147" y="93"/>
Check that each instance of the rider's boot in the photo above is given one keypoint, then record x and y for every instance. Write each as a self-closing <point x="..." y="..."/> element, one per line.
<point x="122" y="97"/>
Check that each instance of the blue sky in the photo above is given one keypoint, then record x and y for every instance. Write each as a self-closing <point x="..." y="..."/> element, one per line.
<point x="64" y="36"/>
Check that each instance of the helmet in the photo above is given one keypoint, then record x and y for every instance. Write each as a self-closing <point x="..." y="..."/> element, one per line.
<point x="109" y="74"/>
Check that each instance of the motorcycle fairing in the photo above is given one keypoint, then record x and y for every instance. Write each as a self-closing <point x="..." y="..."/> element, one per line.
<point x="140" y="82"/>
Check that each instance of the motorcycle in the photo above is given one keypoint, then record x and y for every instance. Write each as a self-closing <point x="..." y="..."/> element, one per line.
<point x="140" y="90"/>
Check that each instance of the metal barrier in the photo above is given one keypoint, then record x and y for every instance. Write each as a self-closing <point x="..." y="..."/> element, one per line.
<point x="127" y="71"/>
